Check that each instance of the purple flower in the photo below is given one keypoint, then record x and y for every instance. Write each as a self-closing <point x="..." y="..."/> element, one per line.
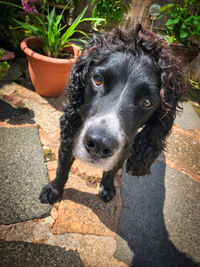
<point x="29" y="8"/>
<point x="34" y="10"/>
<point x="25" y="5"/>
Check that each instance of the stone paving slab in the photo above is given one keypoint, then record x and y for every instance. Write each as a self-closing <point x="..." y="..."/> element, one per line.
<point x="14" y="115"/>
<point x="22" y="175"/>
<point x="44" y="114"/>
<point x="20" y="254"/>
<point x="160" y="220"/>
<point x="188" y="118"/>
<point x="183" y="152"/>
<point x="94" y="250"/>
<point x="82" y="211"/>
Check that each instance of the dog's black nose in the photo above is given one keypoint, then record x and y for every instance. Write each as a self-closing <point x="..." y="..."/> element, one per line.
<point x="99" y="143"/>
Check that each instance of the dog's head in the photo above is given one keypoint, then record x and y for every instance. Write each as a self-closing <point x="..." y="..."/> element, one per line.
<point x="124" y="81"/>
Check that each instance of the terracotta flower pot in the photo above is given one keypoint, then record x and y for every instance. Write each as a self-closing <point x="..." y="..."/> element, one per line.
<point x="49" y="75"/>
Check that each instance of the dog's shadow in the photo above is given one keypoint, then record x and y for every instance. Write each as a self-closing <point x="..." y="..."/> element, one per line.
<point x="141" y="224"/>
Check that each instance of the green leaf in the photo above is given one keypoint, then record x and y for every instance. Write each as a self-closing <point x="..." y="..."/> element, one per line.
<point x="160" y="17"/>
<point x="188" y="19"/>
<point x="70" y="30"/>
<point x="165" y="7"/>
<point x="183" y="34"/>
<point x="65" y="7"/>
<point x="34" y="29"/>
<point x="11" y="4"/>
<point x="196" y="20"/>
<point x="171" y="21"/>
<point x="61" y="28"/>
<point x="77" y="40"/>
<point x="194" y="84"/>
<point x="171" y="39"/>
<point x="42" y="23"/>
<point x="92" y="19"/>
<point x="82" y="32"/>
<point x="58" y="19"/>
<point x="183" y="26"/>
<point x="51" y="21"/>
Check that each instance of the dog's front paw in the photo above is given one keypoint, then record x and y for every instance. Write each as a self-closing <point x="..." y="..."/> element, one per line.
<point x="49" y="194"/>
<point x="106" y="194"/>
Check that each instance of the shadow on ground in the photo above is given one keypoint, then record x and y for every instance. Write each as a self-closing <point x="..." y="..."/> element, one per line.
<point x="15" y="116"/>
<point x="58" y="103"/>
<point x="21" y="254"/>
<point x="143" y="239"/>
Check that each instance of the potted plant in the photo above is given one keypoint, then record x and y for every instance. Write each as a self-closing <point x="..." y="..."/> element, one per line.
<point x="48" y="42"/>
<point x="183" y="28"/>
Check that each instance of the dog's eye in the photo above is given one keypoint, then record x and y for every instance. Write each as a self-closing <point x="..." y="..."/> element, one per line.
<point x="146" y="102"/>
<point x="98" y="80"/>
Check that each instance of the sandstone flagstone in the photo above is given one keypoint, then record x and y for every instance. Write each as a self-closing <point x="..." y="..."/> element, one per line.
<point x="184" y="152"/>
<point x="20" y="96"/>
<point x="82" y="211"/>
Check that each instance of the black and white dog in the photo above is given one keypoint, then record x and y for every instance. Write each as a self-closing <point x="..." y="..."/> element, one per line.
<point x="124" y="82"/>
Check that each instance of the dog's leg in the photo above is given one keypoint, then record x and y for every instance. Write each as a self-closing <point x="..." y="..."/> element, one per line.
<point x="107" y="188"/>
<point x="54" y="190"/>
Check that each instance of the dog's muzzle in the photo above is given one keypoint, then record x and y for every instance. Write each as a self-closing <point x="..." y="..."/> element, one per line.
<point x="99" y="143"/>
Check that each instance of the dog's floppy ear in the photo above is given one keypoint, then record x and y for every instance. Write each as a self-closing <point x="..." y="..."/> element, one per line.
<point x="76" y="85"/>
<point x="71" y="121"/>
<point x="149" y="143"/>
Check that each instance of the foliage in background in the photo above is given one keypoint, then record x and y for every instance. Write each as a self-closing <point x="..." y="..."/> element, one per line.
<point x="184" y="21"/>
<point x="194" y="84"/>
<point x="4" y="66"/>
<point x="59" y="2"/>
<point x="49" y="28"/>
<point x="9" y="37"/>
<point x="111" y="10"/>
